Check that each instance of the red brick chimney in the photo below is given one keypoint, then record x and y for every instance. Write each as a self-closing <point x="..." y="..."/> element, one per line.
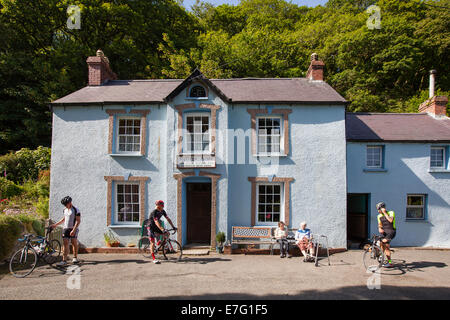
<point x="99" y="69"/>
<point x="435" y="105"/>
<point x="315" y="70"/>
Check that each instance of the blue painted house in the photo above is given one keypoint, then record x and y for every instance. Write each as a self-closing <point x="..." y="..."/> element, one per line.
<point x="244" y="152"/>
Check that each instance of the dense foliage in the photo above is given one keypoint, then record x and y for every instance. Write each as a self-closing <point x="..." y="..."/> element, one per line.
<point x="382" y="69"/>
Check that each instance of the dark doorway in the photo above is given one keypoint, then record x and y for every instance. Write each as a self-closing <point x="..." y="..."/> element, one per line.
<point x="198" y="213"/>
<point x="357" y="217"/>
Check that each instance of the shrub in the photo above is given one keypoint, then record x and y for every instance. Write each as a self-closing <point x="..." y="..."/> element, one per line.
<point x="10" y="230"/>
<point x="42" y="207"/>
<point x="35" y="190"/>
<point x="9" y="189"/>
<point x="39" y="227"/>
<point x="25" y="164"/>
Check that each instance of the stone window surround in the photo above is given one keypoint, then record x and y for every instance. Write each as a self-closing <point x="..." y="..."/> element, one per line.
<point x="143" y="114"/>
<point x="214" y="177"/>
<point x="287" y="195"/>
<point x="142" y="197"/>
<point x="265" y="111"/>
<point x="181" y="108"/>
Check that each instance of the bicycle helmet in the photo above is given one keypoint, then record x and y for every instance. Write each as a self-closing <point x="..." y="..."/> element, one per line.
<point x="160" y="203"/>
<point x="66" y="200"/>
<point x="381" y="205"/>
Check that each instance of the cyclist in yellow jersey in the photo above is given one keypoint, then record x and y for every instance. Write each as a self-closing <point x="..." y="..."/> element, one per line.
<point x="386" y="227"/>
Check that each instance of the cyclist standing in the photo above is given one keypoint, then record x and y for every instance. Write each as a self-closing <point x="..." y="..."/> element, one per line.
<point x="386" y="227"/>
<point x="71" y="222"/>
<point x="155" y="229"/>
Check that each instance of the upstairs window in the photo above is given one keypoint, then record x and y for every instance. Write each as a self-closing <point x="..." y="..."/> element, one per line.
<point x="197" y="134"/>
<point x="197" y="92"/>
<point x="269" y="135"/>
<point x="129" y="135"/>
<point x="374" y="157"/>
<point x="437" y="157"/>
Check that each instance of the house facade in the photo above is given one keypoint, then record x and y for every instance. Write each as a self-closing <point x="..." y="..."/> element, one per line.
<point x="232" y="152"/>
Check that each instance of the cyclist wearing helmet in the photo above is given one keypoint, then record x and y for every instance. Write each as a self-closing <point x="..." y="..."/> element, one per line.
<point x="71" y="222"/>
<point x="155" y="229"/>
<point x="386" y="227"/>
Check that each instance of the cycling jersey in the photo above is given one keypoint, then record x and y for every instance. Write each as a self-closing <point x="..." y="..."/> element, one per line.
<point x="70" y="217"/>
<point x="156" y="215"/>
<point x="385" y="224"/>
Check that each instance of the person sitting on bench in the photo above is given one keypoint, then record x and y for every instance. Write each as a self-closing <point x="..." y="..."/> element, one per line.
<point x="281" y="235"/>
<point x="303" y="240"/>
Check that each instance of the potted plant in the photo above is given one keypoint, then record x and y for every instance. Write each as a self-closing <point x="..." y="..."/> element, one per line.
<point x="110" y="239"/>
<point x="220" y="239"/>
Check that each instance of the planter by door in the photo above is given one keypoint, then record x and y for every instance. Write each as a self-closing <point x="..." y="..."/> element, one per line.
<point x="198" y="212"/>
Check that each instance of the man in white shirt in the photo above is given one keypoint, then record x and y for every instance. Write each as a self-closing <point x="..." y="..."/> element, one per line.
<point x="71" y="222"/>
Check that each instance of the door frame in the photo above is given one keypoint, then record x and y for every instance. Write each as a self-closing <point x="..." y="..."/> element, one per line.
<point x="367" y="195"/>
<point x="187" y="183"/>
<point x="181" y="202"/>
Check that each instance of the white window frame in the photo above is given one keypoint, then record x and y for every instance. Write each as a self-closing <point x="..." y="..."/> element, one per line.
<point x="127" y="135"/>
<point x="423" y="196"/>
<point x="381" y="155"/>
<point x="443" y="157"/>
<point x="281" y="185"/>
<point x="185" y="133"/>
<point x="116" y="215"/>
<point x="281" y="134"/>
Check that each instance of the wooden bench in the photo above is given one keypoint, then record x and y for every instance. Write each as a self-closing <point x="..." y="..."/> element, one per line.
<point x="252" y="236"/>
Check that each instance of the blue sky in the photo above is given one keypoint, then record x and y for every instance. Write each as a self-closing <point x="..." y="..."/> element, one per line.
<point x="310" y="3"/>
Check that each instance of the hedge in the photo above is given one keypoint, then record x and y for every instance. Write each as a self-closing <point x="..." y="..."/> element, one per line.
<point x="25" y="164"/>
<point x="9" y="189"/>
<point x="10" y="231"/>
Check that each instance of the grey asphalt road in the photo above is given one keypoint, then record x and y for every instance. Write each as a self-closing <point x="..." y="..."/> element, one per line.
<point x="419" y="274"/>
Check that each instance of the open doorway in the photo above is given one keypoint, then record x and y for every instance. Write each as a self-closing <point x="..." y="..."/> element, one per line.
<point x="357" y="218"/>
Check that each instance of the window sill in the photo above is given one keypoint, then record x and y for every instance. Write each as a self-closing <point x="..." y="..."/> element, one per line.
<point x="267" y="155"/>
<point x="135" y="155"/>
<point x="375" y="170"/>
<point x="438" y="170"/>
<point x="125" y="226"/>
<point x="199" y="98"/>
<point x="416" y="220"/>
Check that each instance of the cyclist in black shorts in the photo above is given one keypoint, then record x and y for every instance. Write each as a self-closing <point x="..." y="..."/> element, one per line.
<point x="386" y="227"/>
<point x="154" y="227"/>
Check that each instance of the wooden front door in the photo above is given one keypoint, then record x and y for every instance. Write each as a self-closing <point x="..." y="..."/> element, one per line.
<point x="198" y="212"/>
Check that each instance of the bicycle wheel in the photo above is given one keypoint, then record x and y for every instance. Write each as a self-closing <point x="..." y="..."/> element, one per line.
<point x="144" y="246"/>
<point x="23" y="262"/>
<point x="373" y="258"/>
<point x="52" y="251"/>
<point x="172" y="250"/>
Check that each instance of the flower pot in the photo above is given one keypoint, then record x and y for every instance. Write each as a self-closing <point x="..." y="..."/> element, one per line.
<point x="112" y="244"/>
<point x="219" y="249"/>
<point x="227" y="249"/>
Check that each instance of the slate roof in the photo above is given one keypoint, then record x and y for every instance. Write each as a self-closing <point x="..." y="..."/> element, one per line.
<point x="246" y="90"/>
<point x="397" y="127"/>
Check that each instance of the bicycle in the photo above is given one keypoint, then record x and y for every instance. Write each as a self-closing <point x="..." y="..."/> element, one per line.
<point x="373" y="256"/>
<point x="24" y="261"/>
<point x="168" y="249"/>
